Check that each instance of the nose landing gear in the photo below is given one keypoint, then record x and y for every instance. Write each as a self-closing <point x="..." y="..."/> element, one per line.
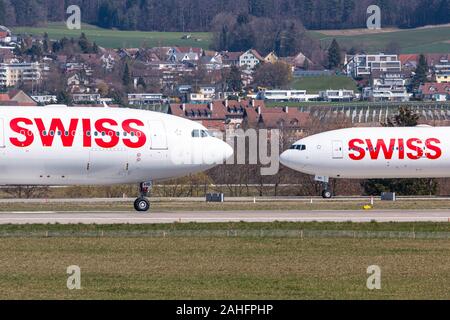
<point x="326" y="193"/>
<point x="142" y="204"/>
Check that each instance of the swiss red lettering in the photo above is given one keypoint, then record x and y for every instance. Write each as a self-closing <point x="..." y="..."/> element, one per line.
<point x="414" y="145"/>
<point x="57" y="128"/>
<point x="109" y="138"/>
<point x="26" y="133"/>
<point x="431" y="144"/>
<point x="413" y="149"/>
<point x="107" y="132"/>
<point x="357" y="145"/>
<point x="138" y="135"/>
<point x="381" y="145"/>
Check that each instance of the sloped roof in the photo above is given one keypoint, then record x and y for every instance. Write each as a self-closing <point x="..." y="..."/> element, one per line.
<point x="431" y="88"/>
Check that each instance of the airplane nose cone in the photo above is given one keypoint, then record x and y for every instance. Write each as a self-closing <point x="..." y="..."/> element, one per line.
<point x="287" y="159"/>
<point x="229" y="152"/>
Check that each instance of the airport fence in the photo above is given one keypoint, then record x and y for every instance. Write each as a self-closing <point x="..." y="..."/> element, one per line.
<point x="299" y="234"/>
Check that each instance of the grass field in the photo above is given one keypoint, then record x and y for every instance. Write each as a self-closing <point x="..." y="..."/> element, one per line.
<point x="316" y="84"/>
<point x="225" y="268"/>
<point x="427" y="40"/>
<point x="422" y="40"/>
<point x="122" y="39"/>
<point x="171" y="206"/>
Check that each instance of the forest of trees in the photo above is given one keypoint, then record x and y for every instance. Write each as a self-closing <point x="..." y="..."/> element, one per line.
<point x="198" y="15"/>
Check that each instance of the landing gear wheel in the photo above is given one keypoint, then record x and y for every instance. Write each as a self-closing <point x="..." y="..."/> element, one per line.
<point x="326" y="194"/>
<point x="142" y="205"/>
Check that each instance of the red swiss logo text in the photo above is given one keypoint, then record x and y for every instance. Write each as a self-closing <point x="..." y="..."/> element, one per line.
<point x="413" y="149"/>
<point x="104" y="133"/>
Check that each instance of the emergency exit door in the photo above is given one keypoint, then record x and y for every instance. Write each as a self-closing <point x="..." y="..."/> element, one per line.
<point x="338" y="150"/>
<point x="158" y="135"/>
<point x="2" y="134"/>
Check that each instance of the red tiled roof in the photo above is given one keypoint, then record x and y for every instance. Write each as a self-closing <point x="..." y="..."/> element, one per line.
<point x="199" y="51"/>
<point x="431" y="88"/>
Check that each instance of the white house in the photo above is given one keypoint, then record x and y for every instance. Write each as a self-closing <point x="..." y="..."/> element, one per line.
<point x="250" y="59"/>
<point x="337" y="95"/>
<point x="286" y="95"/>
<point x="45" y="99"/>
<point x="140" y="99"/>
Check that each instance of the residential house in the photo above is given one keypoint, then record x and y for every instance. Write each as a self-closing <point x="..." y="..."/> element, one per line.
<point x="387" y="86"/>
<point x="340" y="95"/>
<point x="250" y="59"/>
<point x="145" y="99"/>
<point x="16" y="98"/>
<point x="286" y="95"/>
<point x="86" y="98"/>
<point x="271" y="58"/>
<point x="45" y="99"/>
<point x="300" y="61"/>
<point x="435" y="91"/>
<point x="231" y="59"/>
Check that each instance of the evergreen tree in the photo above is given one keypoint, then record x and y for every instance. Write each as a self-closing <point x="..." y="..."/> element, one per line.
<point x="234" y="79"/>
<point x="334" y="55"/>
<point x="421" y="73"/>
<point x="64" y="97"/>
<point x="126" y="77"/>
<point x="95" y="48"/>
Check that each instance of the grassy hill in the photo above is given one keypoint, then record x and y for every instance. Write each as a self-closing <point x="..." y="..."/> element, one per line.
<point x="116" y="39"/>
<point x="421" y="40"/>
<point x="427" y="40"/>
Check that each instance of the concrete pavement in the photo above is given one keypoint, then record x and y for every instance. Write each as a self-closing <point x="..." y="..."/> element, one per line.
<point x="222" y="216"/>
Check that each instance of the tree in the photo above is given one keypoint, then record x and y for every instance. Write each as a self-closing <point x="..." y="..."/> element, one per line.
<point x="404" y="118"/>
<point x="126" y="77"/>
<point x="234" y="80"/>
<point x="334" y="55"/>
<point x="421" y="73"/>
<point x="374" y="187"/>
<point x="273" y="75"/>
<point x="64" y="97"/>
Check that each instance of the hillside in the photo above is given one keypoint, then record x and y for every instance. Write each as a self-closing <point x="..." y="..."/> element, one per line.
<point x="122" y="39"/>
<point x="429" y="40"/>
<point x="198" y="15"/>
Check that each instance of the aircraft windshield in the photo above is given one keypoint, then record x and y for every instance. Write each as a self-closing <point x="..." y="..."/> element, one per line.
<point x="200" y="134"/>
<point x="300" y="147"/>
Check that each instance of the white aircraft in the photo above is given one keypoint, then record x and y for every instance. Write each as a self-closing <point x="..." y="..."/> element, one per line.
<point x="59" y="145"/>
<point x="370" y="153"/>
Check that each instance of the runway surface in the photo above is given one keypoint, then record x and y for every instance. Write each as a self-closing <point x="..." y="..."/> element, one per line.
<point x="228" y="216"/>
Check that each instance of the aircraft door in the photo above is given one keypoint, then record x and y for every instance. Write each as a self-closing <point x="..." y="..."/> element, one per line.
<point x="2" y="134"/>
<point x="158" y="135"/>
<point x="338" y="150"/>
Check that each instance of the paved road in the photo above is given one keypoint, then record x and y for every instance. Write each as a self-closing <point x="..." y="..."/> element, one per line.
<point x="230" y="216"/>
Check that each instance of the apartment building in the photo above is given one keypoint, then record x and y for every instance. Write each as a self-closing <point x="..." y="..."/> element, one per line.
<point x="362" y="65"/>
<point x="13" y="73"/>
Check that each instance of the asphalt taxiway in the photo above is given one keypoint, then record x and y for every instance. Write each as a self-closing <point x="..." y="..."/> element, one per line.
<point x="222" y="216"/>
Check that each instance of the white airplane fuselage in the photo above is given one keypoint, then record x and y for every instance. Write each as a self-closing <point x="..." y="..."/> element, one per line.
<point x="369" y="153"/>
<point x="59" y="145"/>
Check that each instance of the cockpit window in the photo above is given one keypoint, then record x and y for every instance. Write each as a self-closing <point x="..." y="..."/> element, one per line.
<point x="300" y="147"/>
<point x="200" y="134"/>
